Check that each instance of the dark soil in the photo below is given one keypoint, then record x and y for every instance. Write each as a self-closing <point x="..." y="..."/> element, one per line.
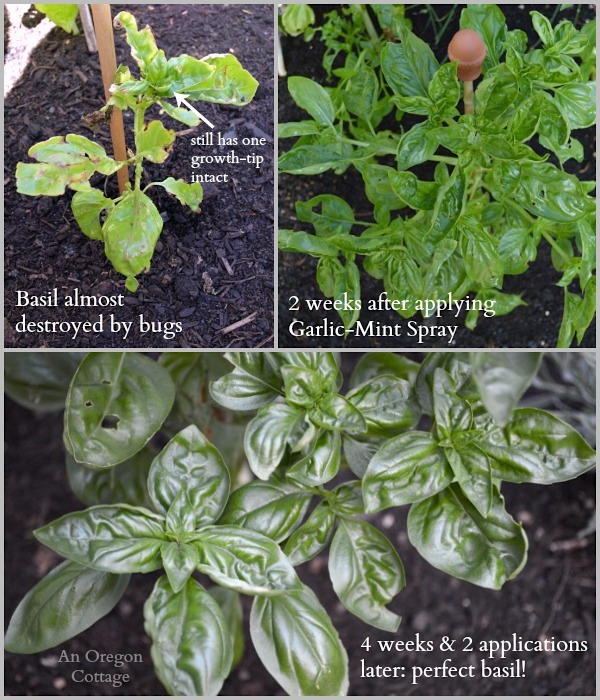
<point x="534" y="325"/>
<point x="210" y="270"/>
<point x="553" y="597"/>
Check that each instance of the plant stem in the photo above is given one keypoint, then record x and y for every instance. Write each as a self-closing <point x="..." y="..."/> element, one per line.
<point x="445" y="159"/>
<point x="517" y="207"/>
<point x="138" y="126"/>
<point x="468" y="97"/>
<point x="555" y="246"/>
<point x="368" y="24"/>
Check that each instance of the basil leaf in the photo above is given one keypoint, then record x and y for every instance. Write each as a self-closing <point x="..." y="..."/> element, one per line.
<point x="459" y="369"/>
<point x="267" y="437"/>
<point x="388" y="405"/>
<point x="359" y="450"/>
<point x="472" y="469"/>
<point x="536" y="447"/>
<point x="125" y="483"/>
<point x="67" y="601"/>
<point x="336" y="215"/>
<point x="322" y="463"/>
<point x="298" y="645"/>
<point x="180" y="518"/>
<point x="502" y="378"/>
<point x="179" y="560"/>
<point x="274" y="508"/>
<point x="578" y="103"/>
<point x="450" y="533"/>
<point x="116" y="402"/>
<point x="452" y="413"/>
<point x="416" y="146"/>
<point x="374" y="364"/>
<point x="311" y="538"/>
<point x="39" y="380"/>
<point x="406" y="469"/>
<point x="190" y="463"/>
<point x="231" y="606"/>
<point x="312" y="98"/>
<point x="191" y="644"/>
<point x="243" y="560"/>
<point x="448" y="206"/>
<point x="488" y="21"/>
<point x="347" y="499"/>
<point x="366" y="573"/>
<point x="360" y="93"/>
<point x="334" y="412"/>
<point x="308" y="243"/>
<point x="121" y="539"/>
<point x="408" y="67"/>
<point x="303" y="387"/>
<point x="241" y="391"/>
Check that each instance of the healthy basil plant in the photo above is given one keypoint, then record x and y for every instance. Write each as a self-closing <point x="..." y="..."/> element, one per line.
<point x="132" y="223"/>
<point x="441" y="437"/>
<point x="499" y="180"/>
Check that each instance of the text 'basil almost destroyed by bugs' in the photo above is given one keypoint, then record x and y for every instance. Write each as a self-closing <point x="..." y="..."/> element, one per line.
<point x="132" y="223"/>
<point x="293" y="468"/>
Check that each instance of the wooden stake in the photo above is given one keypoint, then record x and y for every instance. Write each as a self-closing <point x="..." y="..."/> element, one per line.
<point x="108" y="65"/>
<point x="468" y="97"/>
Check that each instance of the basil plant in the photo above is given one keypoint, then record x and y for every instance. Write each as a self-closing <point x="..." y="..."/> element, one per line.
<point x="440" y="437"/>
<point x="500" y="182"/>
<point x="129" y="225"/>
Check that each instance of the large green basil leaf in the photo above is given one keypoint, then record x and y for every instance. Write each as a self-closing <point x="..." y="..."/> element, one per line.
<point x="312" y="537"/>
<point x="303" y="387"/>
<point x="297" y="18"/>
<point x="312" y="98"/>
<point x="267" y="437"/>
<point x="251" y="385"/>
<point x="324" y="363"/>
<point x="406" y="469"/>
<point x="121" y="539"/>
<point x="408" y="67"/>
<point x="64" y="603"/>
<point x="578" y="103"/>
<point x="416" y="146"/>
<point x="274" y="508"/>
<point x="366" y="573"/>
<point x="336" y="215"/>
<point x="347" y="499"/>
<point x="537" y="447"/>
<point x="125" y="483"/>
<point x="179" y="560"/>
<point x="231" y="606"/>
<point x="322" y="462"/>
<point x="334" y="412"/>
<point x="190" y="463"/>
<point x="361" y="92"/>
<point x="359" y="450"/>
<point x="346" y="291"/>
<point x="388" y="404"/>
<point x="314" y="159"/>
<point x="448" y="206"/>
<point x="482" y="262"/>
<point x="374" y="364"/>
<point x="244" y="560"/>
<point x="298" y="645"/>
<point x="452" y="412"/>
<point x="488" y="21"/>
<point x="457" y="366"/>
<point x="130" y="233"/>
<point x="502" y="378"/>
<point x="473" y="472"/>
<point x="450" y="533"/>
<point x="86" y="208"/>
<point x="39" y="380"/>
<point x="417" y="194"/>
<point x="379" y="191"/>
<point x="116" y="402"/>
<point x="191" y="644"/>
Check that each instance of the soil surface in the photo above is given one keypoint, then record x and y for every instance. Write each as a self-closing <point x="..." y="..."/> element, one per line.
<point x="210" y="271"/>
<point x="553" y="597"/>
<point x="534" y="325"/>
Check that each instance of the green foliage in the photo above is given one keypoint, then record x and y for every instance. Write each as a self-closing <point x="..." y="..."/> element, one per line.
<point x="494" y="195"/>
<point x="64" y="16"/>
<point x="439" y="437"/>
<point x="130" y="224"/>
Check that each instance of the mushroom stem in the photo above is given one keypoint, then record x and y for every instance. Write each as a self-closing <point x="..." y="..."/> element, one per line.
<point x="468" y="97"/>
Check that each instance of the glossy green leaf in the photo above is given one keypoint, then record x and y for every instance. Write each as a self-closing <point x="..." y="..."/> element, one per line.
<point x="64" y="16"/>
<point x="448" y="206"/>
<point x="179" y="559"/>
<point x="312" y="98"/>
<point x="243" y="560"/>
<point x="406" y="469"/>
<point x="313" y="159"/>
<point x="346" y="291"/>
<point x="537" y="447"/>
<point x="418" y="194"/>
<point x="154" y="142"/>
<point x="267" y="437"/>
<point x="124" y="483"/>
<point x="121" y="539"/>
<point x="39" y="380"/>
<point x="409" y="66"/>
<point x="251" y="385"/>
<point x="482" y="262"/>
<point x="189" y="462"/>
<point x="86" y="208"/>
<point x="130" y="233"/>
<point x="457" y="365"/>
<point x="336" y="215"/>
<point x="488" y="21"/>
<point x="473" y="472"/>
<point x="322" y="462"/>
<point x="416" y="146"/>
<point x="185" y="116"/>
<point x="191" y="643"/>
<point x="306" y="127"/>
<point x="308" y="243"/>
<point x="311" y="538"/>
<point x="366" y="573"/>
<point x="298" y="644"/>
<point x="189" y="195"/>
<point x="374" y="364"/>
<point x="347" y="499"/>
<point x="67" y="601"/>
<point x="502" y="378"/>
<point x="451" y="411"/>
<point x="361" y="92"/>
<point x="228" y="84"/>
<point x="231" y="606"/>
<point x="334" y="412"/>
<point x="296" y="18"/>
<point x="303" y="387"/>
<point x="116" y="402"/>
<point x="578" y="103"/>
<point x="359" y="450"/>
<point x="453" y="536"/>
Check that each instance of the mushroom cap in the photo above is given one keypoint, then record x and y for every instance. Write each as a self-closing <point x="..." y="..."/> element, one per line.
<point x="468" y="49"/>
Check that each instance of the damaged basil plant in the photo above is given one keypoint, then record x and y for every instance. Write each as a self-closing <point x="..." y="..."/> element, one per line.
<point x="132" y="223"/>
<point x="155" y="448"/>
<point x="499" y="184"/>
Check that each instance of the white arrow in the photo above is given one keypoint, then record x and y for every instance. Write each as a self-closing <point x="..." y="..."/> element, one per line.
<point x="181" y="98"/>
